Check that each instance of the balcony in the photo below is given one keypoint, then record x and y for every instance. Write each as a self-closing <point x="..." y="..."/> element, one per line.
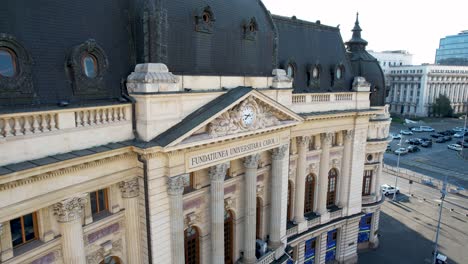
<point x="267" y="258"/>
<point x="24" y="135"/>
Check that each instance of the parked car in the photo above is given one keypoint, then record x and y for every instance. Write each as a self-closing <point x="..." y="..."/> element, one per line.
<point x="388" y="189"/>
<point x="447" y="138"/>
<point x="436" y="135"/>
<point x="440" y="140"/>
<point x="406" y="132"/>
<point x="426" y="144"/>
<point x="454" y="147"/>
<point x="464" y="144"/>
<point x="460" y="129"/>
<point x="423" y="129"/>
<point x="460" y="134"/>
<point x="413" y="149"/>
<point x="425" y="139"/>
<point x="401" y="151"/>
<point x="395" y="136"/>
<point x="413" y="141"/>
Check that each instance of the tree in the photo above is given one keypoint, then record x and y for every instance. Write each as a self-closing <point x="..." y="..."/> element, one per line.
<point x="442" y="106"/>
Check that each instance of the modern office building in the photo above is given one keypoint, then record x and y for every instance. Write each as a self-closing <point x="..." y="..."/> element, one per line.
<point x="185" y="132"/>
<point x="392" y="58"/>
<point x="453" y="50"/>
<point x="414" y="89"/>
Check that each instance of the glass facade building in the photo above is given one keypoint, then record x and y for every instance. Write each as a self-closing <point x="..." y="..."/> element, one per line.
<point x="453" y="50"/>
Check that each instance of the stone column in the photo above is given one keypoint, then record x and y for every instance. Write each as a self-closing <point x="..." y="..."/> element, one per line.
<point x="130" y="191"/>
<point x="251" y="165"/>
<point x="323" y="173"/>
<point x="278" y="160"/>
<point x="301" y="172"/>
<point x="345" y="176"/>
<point x="6" y="247"/>
<point x="217" y="174"/>
<point x="378" y="177"/>
<point x="69" y="213"/>
<point x="175" y="189"/>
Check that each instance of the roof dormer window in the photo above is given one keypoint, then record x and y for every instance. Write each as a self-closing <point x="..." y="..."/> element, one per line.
<point x="7" y="62"/>
<point x="89" y="64"/>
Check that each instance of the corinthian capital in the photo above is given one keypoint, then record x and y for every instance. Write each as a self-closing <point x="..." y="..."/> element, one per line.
<point x="251" y="161"/>
<point x="130" y="188"/>
<point x="303" y="141"/>
<point x="348" y="134"/>
<point x="175" y="185"/>
<point x="218" y="172"/>
<point x="326" y="138"/>
<point x="70" y="209"/>
<point x="279" y="153"/>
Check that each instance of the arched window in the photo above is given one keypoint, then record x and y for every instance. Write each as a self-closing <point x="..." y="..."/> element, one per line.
<point x="309" y="194"/>
<point x="331" y="191"/>
<point x="258" y="229"/>
<point x="89" y="65"/>
<point x="289" y="201"/>
<point x="192" y="245"/>
<point x="228" y="237"/>
<point x="8" y="62"/>
<point x="111" y="260"/>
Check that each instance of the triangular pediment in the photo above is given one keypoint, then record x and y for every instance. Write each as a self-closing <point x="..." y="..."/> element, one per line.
<point x="239" y="112"/>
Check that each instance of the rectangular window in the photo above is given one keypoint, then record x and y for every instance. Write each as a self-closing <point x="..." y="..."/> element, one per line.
<point x="366" y="183"/>
<point x="24" y="229"/>
<point x="99" y="201"/>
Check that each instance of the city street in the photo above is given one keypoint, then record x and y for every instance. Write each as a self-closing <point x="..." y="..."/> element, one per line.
<point x="407" y="226"/>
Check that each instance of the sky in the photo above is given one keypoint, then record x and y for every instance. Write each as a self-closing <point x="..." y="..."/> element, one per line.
<point x="414" y="26"/>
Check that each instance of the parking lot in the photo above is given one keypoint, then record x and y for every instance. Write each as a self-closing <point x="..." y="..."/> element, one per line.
<point x="436" y="161"/>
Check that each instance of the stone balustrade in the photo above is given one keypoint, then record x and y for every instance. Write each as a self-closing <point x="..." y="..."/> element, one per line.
<point x="336" y="214"/>
<point x="100" y="115"/>
<point x="269" y="257"/>
<point x="313" y="222"/>
<point x="291" y="231"/>
<point x="320" y="102"/>
<point x="19" y="124"/>
<point x="369" y="199"/>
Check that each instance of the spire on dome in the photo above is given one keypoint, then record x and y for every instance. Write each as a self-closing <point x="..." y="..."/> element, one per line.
<point x="356" y="42"/>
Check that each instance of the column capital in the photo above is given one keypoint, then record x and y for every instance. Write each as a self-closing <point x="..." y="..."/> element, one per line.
<point x="70" y="209"/>
<point x="279" y="153"/>
<point x="218" y="172"/>
<point x="348" y="134"/>
<point x="326" y="138"/>
<point x="130" y="188"/>
<point x="251" y="161"/>
<point x="175" y="185"/>
<point x="303" y="141"/>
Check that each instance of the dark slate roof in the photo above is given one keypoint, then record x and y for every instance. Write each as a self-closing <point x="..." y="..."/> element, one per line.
<point x="196" y="118"/>
<point x="10" y="168"/>
<point x="224" y="51"/>
<point x="49" y="30"/>
<point x="366" y="65"/>
<point x="305" y="44"/>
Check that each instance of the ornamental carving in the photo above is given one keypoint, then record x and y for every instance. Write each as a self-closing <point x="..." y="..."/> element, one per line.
<point x="130" y="188"/>
<point x="279" y="153"/>
<point x="218" y="172"/>
<point x="251" y="161"/>
<point x="100" y="254"/>
<point x="303" y="141"/>
<point x="175" y="185"/>
<point x="326" y="138"/>
<point x="249" y="115"/>
<point x="20" y="85"/>
<point x="348" y="134"/>
<point x="228" y="204"/>
<point x="70" y="209"/>
<point x="192" y="219"/>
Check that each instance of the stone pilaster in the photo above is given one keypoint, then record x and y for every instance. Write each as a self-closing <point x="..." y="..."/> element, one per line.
<point x="373" y="236"/>
<point x="217" y="174"/>
<point x="301" y="172"/>
<point x="175" y="189"/>
<point x="279" y="187"/>
<point x="130" y="191"/>
<point x="378" y="178"/>
<point x="251" y="165"/>
<point x="345" y="174"/>
<point x="6" y="247"/>
<point x="323" y="174"/>
<point x="69" y="213"/>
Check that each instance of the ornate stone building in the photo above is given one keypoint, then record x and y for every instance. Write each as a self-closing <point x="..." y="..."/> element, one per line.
<point x="189" y="133"/>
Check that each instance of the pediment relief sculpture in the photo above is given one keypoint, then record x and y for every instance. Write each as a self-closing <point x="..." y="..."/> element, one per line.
<point x="249" y="115"/>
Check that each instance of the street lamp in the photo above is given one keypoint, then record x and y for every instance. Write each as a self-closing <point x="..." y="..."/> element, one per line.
<point x="398" y="168"/>
<point x="443" y="192"/>
<point x="463" y="135"/>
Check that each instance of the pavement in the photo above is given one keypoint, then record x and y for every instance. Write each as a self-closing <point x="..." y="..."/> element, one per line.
<point x="408" y="225"/>
<point x="436" y="161"/>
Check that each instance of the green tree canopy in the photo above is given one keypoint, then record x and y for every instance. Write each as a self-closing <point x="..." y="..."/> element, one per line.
<point x="442" y="106"/>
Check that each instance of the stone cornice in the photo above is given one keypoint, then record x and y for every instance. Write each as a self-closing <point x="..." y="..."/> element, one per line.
<point x="30" y="178"/>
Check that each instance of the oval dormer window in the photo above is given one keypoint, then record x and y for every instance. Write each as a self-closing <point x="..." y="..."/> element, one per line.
<point x="89" y="64"/>
<point x="290" y="70"/>
<point x="315" y="73"/>
<point x="338" y="73"/>
<point x="7" y="63"/>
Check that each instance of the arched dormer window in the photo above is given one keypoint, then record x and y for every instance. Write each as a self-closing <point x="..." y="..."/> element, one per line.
<point x="204" y="20"/>
<point x="250" y="29"/>
<point x="313" y="75"/>
<point x="338" y="73"/>
<point x="15" y="69"/>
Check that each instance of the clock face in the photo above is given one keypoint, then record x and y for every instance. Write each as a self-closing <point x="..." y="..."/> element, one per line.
<point x="248" y="116"/>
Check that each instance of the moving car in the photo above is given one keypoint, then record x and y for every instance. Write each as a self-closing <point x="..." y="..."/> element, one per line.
<point x="413" y="149"/>
<point x="454" y="147"/>
<point x="395" y="136"/>
<point x="388" y="189"/>
<point x="401" y="151"/>
<point x="406" y="132"/>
